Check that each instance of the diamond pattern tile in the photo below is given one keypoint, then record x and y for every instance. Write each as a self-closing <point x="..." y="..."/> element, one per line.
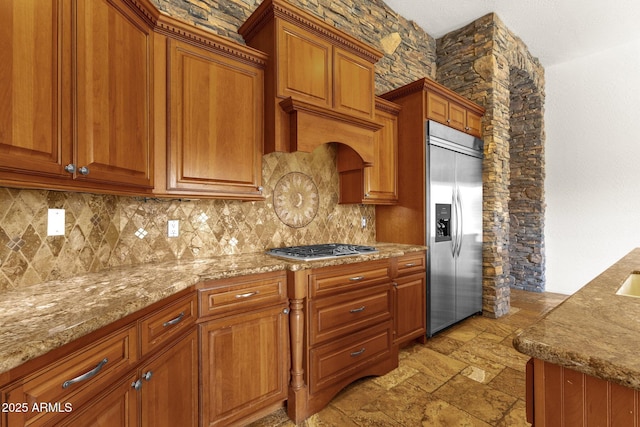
<point x="101" y="229"/>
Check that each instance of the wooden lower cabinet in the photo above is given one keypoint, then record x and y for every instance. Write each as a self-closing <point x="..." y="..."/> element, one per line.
<point x="341" y="330"/>
<point x="410" y="298"/>
<point x="244" y="366"/>
<point x="169" y="386"/>
<point x="117" y="406"/>
<point x="105" y="381"/>
<point x="559" y="396"/>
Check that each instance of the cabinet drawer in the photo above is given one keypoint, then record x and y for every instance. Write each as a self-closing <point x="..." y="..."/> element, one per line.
<point x="167" y="323"/>
<point x="248" y="292"/>
<point x="327" y="280"/>
<point x="342" y="314"/>
<point x="76" y="378"/>
<point x="411" y="263"/>
<point x="337" y="360"/>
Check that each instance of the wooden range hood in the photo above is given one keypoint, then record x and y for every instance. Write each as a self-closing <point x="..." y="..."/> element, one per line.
<point x="319" y="81"/>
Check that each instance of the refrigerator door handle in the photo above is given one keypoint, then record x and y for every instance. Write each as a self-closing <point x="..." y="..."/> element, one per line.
<point x="454" y="225"/>
<point x="459" y="224"/>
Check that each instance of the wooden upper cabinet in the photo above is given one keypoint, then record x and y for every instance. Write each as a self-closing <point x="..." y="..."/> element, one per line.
<point x="444" y="106"/>
<point x="34" y="73"/>
<point x="209" y="133"/>
<point x="114" y="56"/>
<point x="76" y="104"/>
<point x="305" y="65"/>
<point x="353" y="84"/>
<point x="377" y="184"/>
<point x="319" y="81"/>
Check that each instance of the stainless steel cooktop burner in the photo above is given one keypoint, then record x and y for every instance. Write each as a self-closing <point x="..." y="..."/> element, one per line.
<point x="318" y="252"/>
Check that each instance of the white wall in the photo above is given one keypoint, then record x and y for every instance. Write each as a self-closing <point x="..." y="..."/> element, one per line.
<point x="592" y="121"/>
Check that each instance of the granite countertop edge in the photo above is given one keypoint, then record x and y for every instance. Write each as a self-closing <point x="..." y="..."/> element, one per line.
<point x="39" y="318"/>
<point x="594" y="331"/>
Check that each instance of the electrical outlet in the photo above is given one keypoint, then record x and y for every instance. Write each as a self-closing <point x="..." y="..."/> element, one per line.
<point x="173" y="228"/>
<point x="363" y="222"/>
<point x="55" y="222"/>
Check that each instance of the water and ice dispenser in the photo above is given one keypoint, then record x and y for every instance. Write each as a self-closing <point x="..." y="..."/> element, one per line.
<point x="443" y="222"/>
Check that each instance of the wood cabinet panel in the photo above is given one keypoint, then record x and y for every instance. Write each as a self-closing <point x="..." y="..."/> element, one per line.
<point x="410" y="307"/>
<point x="241" y="294"/>
<point x="75" y="378"/>
<point x="215" y="124"/>
<point x="437" y="108"/>
<point x="305" y="65"/>
<point x="563" y="396"/>
<point x="338" y="361"/>
<point x="34" y="73"/>
<point x="342" y="314"/>
<point x="376" y="184"/>
<point x="244" y="365"/>
<point x="118" y="406"/>
<point x="113" y="68"/>
<point x="353" y="84"/>
<point x="166" y="324"/>
<point x="332" y="280"/>
<point x="457" y="117"/>
<point x="169" y="391"/>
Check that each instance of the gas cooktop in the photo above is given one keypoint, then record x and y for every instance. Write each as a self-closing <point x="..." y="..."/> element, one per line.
<point x="318" y="252"/>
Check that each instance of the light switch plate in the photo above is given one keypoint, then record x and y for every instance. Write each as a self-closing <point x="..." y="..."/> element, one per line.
<point x="55" y="222"/>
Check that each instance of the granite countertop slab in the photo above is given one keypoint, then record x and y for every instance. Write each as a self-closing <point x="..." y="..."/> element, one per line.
<point x="39" y="318"/>
<point x="594" y="331"/>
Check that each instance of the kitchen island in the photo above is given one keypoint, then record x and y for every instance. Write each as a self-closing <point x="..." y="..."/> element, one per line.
<point x="585" y="366"/>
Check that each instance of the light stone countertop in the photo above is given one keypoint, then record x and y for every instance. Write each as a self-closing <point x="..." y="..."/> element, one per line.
<point x="39" y="318"/>
<point x="594" y="331"/>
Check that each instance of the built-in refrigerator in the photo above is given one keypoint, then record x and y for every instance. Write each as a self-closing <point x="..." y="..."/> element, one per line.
<point x="454" y="226"/>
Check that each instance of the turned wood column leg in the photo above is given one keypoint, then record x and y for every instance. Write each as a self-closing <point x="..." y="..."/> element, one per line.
<point x="298" y="392"/>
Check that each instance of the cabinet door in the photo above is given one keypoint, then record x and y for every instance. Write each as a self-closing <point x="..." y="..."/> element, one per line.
<point x="113" y="91"/>
<point x="304" y="66"/>
<point x="118" y="406"/>
<point x="457" y="117"/>
<point x="215" y="116"/>
<point x="410" y="307"/>
<point x="474" y="124"/>
<point x="353" y="82"/>
<point x="34" y="138"/>
<point x="169" y="388"/>
<point x="243" y="365"/>
<point x="381" y="179"/>
<point x="437" y="108"/>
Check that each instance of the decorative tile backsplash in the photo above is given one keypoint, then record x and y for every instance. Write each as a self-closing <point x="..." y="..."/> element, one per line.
<point x="109" y="231"/>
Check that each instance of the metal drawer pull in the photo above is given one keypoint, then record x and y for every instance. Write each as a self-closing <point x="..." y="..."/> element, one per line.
<point x="410" y="264"/>
<point x="357" y="310"/>
<point x="247" y="295"/>
<point x="87" y="375"/>
<point x="356" y="279"/>
<point x="357" y="353"/>
<point x="147" y="376"/>
<point x="174" y="321"/>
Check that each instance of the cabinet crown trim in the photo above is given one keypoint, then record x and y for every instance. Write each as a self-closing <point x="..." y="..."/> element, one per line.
<point x="270" y="9"/>
<point x="187" y="33"/>
<point x="427" y="85"/>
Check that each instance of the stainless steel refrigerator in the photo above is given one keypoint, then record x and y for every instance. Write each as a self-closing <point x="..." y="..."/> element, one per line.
<point x="454" y="226"/>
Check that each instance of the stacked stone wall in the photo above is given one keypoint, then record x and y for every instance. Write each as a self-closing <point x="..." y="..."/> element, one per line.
<point x="409" y="52"/>
<point x="527" y="205"/>
<point x="480" y="61"/>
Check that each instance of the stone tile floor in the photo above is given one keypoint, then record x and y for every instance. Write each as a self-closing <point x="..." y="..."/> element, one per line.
<point x="467" y="375"/>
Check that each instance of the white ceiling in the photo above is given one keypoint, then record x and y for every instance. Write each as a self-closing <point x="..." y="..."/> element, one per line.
<point x="555" y="31"/>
